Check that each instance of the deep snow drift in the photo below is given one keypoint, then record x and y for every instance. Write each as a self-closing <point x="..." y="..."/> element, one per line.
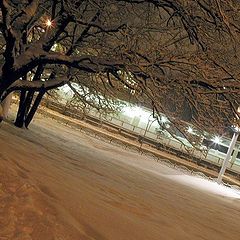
<point x="57" y="183"/>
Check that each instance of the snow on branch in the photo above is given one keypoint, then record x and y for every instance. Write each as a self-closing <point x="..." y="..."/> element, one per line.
<point x="36" y="85"/>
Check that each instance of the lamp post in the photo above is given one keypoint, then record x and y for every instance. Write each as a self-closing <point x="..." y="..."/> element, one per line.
<point x="149" y="123"/>
<point x="236" y="132"/>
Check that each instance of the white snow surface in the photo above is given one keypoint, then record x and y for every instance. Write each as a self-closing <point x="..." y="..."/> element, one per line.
<point x="58" y="183"/>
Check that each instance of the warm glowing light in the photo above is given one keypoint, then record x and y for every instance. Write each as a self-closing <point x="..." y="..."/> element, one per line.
<point x="48" y="23"/>
<point x="216" y="139"/>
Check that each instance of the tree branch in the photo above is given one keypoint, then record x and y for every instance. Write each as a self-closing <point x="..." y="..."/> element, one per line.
<point x="35" y="85"/>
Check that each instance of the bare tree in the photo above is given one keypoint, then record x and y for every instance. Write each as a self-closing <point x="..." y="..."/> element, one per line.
<point x="179" y="57"/>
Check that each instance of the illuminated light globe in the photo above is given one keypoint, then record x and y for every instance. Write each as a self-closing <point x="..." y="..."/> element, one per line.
<point x="216" y="139"/>
<point x="48" y="23"/>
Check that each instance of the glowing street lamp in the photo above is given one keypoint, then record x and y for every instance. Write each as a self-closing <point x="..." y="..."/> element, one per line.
<point x="216" y="139"/>
<point x="48" y="23"/>
<point x="236" y="132"/>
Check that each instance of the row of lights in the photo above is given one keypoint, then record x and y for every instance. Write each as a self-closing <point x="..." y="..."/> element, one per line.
<point x="216" y="139"/>
<point x="164" y="120"/>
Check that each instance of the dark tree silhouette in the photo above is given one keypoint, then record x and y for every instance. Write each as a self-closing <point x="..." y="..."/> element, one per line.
<point x="180" y="57"/>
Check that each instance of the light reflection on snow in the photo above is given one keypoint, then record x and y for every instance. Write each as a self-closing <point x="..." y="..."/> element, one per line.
<point x="206" y="185"/>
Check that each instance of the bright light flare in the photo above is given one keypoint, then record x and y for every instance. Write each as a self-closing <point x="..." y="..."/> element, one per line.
<point x="48" y="23"/>
<point x="216" y="139"/>
<point x="190" y="130"/>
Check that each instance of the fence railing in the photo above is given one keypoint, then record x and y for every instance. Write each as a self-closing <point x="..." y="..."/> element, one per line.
<point x="211" y="158"/>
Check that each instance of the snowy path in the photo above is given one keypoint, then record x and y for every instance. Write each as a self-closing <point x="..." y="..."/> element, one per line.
<point x="56" y="183"/>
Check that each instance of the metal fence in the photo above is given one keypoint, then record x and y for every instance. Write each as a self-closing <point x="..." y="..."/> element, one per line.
<point x="210" y="159"/>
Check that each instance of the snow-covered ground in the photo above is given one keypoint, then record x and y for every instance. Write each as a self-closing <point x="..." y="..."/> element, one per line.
<point x="57" y="183"/>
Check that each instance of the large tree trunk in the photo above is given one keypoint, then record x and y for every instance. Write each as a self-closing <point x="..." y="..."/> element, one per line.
<point x="21" y="110"/>
<point x="25" y="111"/>
<point x="34" y="108"/>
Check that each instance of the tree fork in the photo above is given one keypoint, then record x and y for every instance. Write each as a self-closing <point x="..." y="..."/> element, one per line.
<point x="34" y="107"/>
